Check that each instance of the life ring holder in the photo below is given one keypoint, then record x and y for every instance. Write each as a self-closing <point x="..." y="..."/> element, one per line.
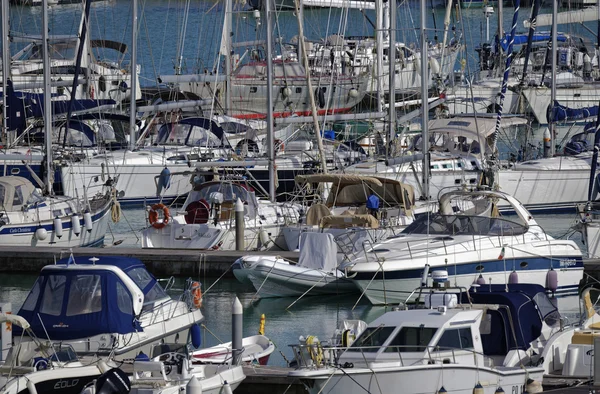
<point x="278" y="145"/>
<point x="153" y="216"/>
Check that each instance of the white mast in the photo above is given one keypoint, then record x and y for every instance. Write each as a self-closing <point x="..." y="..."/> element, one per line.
<point x="424" y="101"/>
<point x="392" y="70"/>
<point x="5" y="69"/>
<point x="133" y="95"/>
<point x="47" y="97"/>
<point x="270" y="131"/>
<point x="379" y="45"/>
<point x="553" y="81"/>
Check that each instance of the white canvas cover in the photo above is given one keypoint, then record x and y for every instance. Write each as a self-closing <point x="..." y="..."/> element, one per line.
<point x="317" y="251"/>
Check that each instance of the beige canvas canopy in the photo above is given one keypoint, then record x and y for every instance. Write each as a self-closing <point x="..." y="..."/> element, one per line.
<point x="15" y="191"/>
<point x="353" y="190"/>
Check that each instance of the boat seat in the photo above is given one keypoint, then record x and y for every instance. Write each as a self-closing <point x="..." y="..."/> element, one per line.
<point x="149" y="371"/>
<point x="584" y="337"/>
<point x="315" y="213"/>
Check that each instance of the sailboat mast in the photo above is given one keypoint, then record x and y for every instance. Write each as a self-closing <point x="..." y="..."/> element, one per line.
<point x="379" y="45"/>
<point x="311" y="95"/>
<point x="270" y="131"/>
<point x="553" y="81"/>
<point x="47" y="97"/>
<point x="227" y="49"/>
<point x="5" y="70"/>
<point x="392" y="71"/>
<point x="424" y="101"/>
<point x="133" y="74"/>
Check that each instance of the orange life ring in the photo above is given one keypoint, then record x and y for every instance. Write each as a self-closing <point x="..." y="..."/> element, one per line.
<point x="153" y="216"/>
<point x="197" y="294"/>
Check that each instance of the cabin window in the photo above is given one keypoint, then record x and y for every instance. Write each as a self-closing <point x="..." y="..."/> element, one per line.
<point x="298" y="90"/>
<point x="85" y="295"/>
<point x="18" y="197"/>
<point x="54" y="293"/>
<point x="56" y="213"/>
<point x="156" y="293"/>
<point x="124" y="301"/>
<point x="371" y="339"/>
<point x="458" y="338"/>
<point x="140" y="276"/>
<point x="31" y="300"/>
<point x="253" y="89"/>
<point x="411" y="339"/>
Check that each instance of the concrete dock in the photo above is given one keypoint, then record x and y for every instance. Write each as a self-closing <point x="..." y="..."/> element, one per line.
<point x="161" y="262"/>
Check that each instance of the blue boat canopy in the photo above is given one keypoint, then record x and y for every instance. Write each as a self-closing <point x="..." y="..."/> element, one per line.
<point x="521" y="38"/>
<point x="80" y="297"/>
<point x="528" y="306"/>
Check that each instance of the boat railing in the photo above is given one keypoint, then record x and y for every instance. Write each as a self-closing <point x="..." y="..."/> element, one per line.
<point x="318" y="355"/>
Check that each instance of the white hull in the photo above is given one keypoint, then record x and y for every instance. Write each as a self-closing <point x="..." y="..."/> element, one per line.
<point x="538" y="99"/>
<point x="459" y="379"/>
<point x="273" y="277"/>
<point x="292" y="234"/>
<point x="394" y="291"/>
<point x="553" y="183"/>
<point x="210" y="236"/>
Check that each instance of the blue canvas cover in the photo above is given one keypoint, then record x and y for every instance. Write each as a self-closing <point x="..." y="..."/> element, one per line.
<point x="75" y="303"/>
<point x="521" y="38"/>
<point x="527" y="317"/>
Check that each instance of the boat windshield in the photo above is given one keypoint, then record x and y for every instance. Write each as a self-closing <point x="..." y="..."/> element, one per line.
<point x="153" y="292"/>
<point x="438" y="224"/>
<point x="230" y="192"/>
<point x="408" y="339"/>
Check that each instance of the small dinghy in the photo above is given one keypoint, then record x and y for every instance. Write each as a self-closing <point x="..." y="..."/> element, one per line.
<point x="315" y="273"/>
<point x="256" y="350"/>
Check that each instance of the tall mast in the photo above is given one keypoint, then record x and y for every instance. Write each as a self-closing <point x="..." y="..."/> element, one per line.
<point x="379" y="45"/>
<point x="47" y="97"/>
<point x="554" y="60"/>
<point x="133" y="73"/>
<point x="270" y="131"/>
<point x="5" y="69"/>
<point x="392" y="71"/>
<point x="424" y="101"/>
<point x="226" y="47"/>
<point x="311" y="95"/>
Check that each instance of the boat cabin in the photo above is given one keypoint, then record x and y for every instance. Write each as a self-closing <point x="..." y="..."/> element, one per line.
<point x="491" y="326"/>
<point x="473" y="213"/>
<point x="16" y="193"/>
<point x="216" y="199"/>
<point x="82" y="297"/>
<point x="196" y="132"/>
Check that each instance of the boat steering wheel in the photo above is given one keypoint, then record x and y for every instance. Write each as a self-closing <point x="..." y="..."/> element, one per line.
<point x="170" y="360"/>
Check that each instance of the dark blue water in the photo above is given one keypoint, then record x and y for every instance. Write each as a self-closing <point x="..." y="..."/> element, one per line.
<point x="188" y="33"/>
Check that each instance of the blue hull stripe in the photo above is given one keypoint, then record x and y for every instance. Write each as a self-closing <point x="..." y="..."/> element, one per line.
<point x="483" y="267"/>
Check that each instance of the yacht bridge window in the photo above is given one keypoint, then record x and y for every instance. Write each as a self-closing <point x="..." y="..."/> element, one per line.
<point x="411" y="339"/>
<point x="438" y="224"/>
<point x="456" y="338"/>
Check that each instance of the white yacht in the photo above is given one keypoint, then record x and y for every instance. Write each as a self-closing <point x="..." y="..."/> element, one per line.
<point x="469" y="238"/>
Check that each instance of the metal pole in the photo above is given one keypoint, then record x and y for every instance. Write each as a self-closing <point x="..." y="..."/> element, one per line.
<point x="379" y="64"/>
<point x="237" y="320"/>
<point x="133" y="72"/>
<point x="6" y="332"/>
<point x="554" y="61"/>
<point x="228" y="67"/>
<point x="392" y="71"/>
<point x="47" y="97"/>
<point x="239" y="225"/>
<point x="424" y="100"/>
<point x="270" y="131"/>
<point x="5" y="69"/>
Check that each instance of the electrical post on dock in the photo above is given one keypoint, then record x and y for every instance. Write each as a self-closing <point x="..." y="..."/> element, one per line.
<point x="237" y="319"/>
<point x="239" y="225"/>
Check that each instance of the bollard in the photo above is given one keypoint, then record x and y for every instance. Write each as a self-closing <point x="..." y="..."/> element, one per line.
<point x="239" y="225"/>
<point x="237" y="319"/>
<point x="6" y="329"/>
